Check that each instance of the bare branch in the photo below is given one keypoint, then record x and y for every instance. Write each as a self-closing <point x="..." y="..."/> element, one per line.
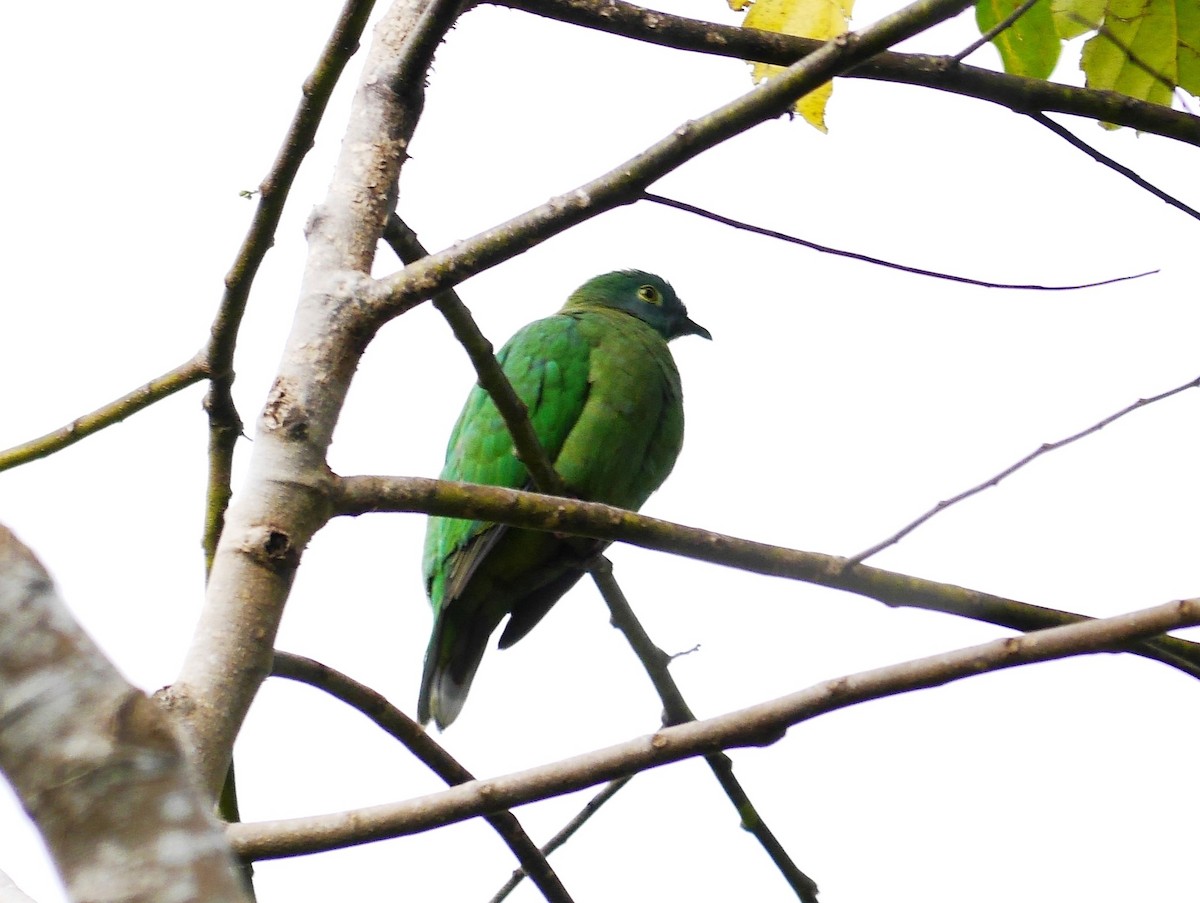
<point x="677" y="711"/>
<point x="625" y="183"/>
<point x="425" y="748"/>
<point x="852" y="255"/>
<point x="564" y="834"/>
<point x="758" y="725"/>
<point x="360" y="495"/>
<point x="1023" y="95"/>
<point x="84" y="750"/>
<point x="1074" y="140"/>
<point x="285" y="502"/>
<point x="1013" y="468"/>
<point x="186" y="374"/>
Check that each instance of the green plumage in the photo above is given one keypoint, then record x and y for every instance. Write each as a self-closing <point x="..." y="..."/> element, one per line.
<point x="604" y="398"/>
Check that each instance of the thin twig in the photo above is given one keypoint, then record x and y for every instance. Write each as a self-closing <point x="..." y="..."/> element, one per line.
<point x="186" y="374"/>
<point x="1112" y="164"/>
<point x="1001" y="26"/>
<point x="368" y="494"/>
<point x="824" y="249"/>
<point x="393" y="721"/>
<point x="1042" y="449"/>
<point x="757" y="725"/>
<point x="677" y="711"/>
<point x="565" y="832"/>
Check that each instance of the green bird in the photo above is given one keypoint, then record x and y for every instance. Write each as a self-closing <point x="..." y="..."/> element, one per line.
<point x="604" y="398"/>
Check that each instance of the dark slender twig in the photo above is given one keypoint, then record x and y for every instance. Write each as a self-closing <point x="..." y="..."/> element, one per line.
<point x="1112" y="164"/>
<point x="393" y="721"/>
<point x="677" y="711"/>
<point x="782" y="236"/>
<point x="565" y="833"/>
<point x="225" y="425"/>
<point x="940" y="73"/>
<point x="186" y="374"/>
<point x="1013" y="468"/>
<point x="1003" y="25"/>
<point x="367" y="494"/>
<point x="408" y="248"/>
<point x="758" y="725"/>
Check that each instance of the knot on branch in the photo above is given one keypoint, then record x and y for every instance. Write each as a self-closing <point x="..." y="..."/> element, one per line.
<point x="271" y="547"/>
<point x="283" y="411"/>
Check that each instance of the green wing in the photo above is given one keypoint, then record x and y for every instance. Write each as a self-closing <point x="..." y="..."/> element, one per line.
<point x="547" y="363"/>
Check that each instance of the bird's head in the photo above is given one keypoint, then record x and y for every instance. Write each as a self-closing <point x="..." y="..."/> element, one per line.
<point x="648" y="297"/>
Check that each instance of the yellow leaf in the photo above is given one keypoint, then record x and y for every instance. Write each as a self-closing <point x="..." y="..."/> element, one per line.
<point x="823" y="19"/>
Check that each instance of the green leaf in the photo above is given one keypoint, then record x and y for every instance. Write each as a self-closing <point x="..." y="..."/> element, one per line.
<point x="1068" y="13"/>
<point x="1188" y="70"/>
<point x="1030" y="46"/>
<point x="1150" y="31"/>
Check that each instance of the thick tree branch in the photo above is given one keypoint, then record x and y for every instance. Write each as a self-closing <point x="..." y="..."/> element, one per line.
<point x="677" y="711"/>
<point x="224" y="423"/>
<point x="94" y="762"/>
<point x="758" y="725"/>
<point x="285" y="501"/>
<point x="420" y="744"/>
<point x="1023" y="95"/>
<point x="360" y="495"/>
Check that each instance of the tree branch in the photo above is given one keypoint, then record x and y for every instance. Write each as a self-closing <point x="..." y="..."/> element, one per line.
<point x="224" y="423"/>
<point x="624" y="184"/>
<point x="186" y="374"/>
<point x="1023" y="95"/>
<point x="864" y="258"/>
<point x="285" y="501"/>
<point x="564" y="834"/>
<point x="677" y="711"/>
<point x="1105" y="160"/>
<point x="991" y="481"/>
<point x="359" y="495"/>
<point x="84" y="750"/>
<point x="758" y="725"/>
<point x="427" y="750"/>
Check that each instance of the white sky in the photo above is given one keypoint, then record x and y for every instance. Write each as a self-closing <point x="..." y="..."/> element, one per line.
<point x="836" y="402"/>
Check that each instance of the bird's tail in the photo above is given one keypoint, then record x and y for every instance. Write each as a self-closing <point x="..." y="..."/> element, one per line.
<point x="451" y="661"/>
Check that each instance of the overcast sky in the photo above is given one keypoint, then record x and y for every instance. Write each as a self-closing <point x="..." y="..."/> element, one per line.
<point x="836" y="402"/>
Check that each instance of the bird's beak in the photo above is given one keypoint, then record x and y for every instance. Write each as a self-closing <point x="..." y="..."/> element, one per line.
<point x="691" y="327"/>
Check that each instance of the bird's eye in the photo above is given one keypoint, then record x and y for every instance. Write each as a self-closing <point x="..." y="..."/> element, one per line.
<point x="650" y="295"/>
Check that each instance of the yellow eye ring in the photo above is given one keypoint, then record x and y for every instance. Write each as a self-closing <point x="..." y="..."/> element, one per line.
<point x="650" y="295"/>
